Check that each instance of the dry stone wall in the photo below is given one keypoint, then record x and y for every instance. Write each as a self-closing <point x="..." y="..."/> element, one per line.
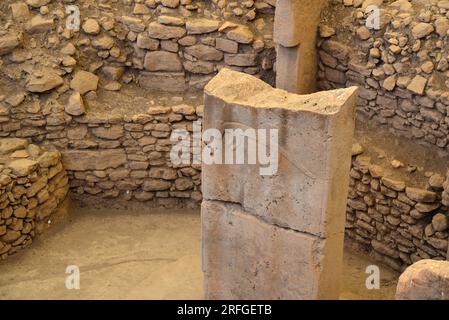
<point x="33" y="186"/>
<point x="52" y="78"/>
<point x="398" y="222"/>
<point x="402" y="69"/>
<point x="111" y="155"/>
<point x="162" y="45"/>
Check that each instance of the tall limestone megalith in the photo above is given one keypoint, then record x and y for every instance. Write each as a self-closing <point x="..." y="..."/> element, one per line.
<point x="295" y="30"/>
<point x="277" y="236"/>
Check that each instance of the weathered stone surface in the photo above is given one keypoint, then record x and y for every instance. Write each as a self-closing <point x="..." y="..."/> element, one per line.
<point x="45" y="82"/>
<point x="162" y="61"/>
<point x="23" y="167"/>
<point x="133" y="23"/>
<point x="420" y="195"/>
<point x="203" y="67"/>
<point x="145" y="42"/>
<point x="8" y="145"/>
<point x="170" y="3"/>
<point x="440" y="222"/>
<point x="424" y="280"/>
<point x="200" y="26"/>
<point x="49" y="159"/>
<point x="75" y="105"/>
<point x="160" y="31"/>
<point x="241" y="59"/>
<point x="247" y="258"/>
<point x="82" y="160"/>
<point x="295" y="28"/>
<point x="8" y="44"/>
<point x="91" y="26"/>
<point x="442" y="26"/>
<point x="103" y="43"/>
<point x="10" y="236"/>
<point x="417" y="85"/>
<point x="37" y="3"/>
<point x="84" y="82"/>
<point x="20" y="11"/>
<point x="171" y="21"/>
<point x="256" y="104"/>
<point x="204" y="52"/>
<point x="241" y="34"/>
<point x="110" y="133"/>
<point x="226" y="45"/>
<point x="39" y="24"/>
<point x="396" y="185"/>
<point x="156" y="185"/>
<point x="309" y="201"/>
<point x="422" y="30"/>
<point x="166" y="81"/>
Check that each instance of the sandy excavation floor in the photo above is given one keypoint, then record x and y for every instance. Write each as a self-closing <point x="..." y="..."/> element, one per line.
<point x="135" y="254"/>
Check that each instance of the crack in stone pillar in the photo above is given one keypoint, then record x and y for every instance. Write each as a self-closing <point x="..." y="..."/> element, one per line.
<point x="278" y="236"/>
<point x="295" y="29"/>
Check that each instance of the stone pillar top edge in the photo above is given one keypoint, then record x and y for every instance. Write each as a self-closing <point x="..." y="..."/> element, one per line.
<point x="242" y="89"/>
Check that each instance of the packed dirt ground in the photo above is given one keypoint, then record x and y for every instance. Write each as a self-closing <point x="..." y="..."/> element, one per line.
<point x="136" y="253"/>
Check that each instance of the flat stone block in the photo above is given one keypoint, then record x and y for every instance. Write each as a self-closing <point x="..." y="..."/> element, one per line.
<point x="247" y="258"/>
<point x="82" y="160"/>
<point x="308" y="193"/>
<point x="163" y="81"/>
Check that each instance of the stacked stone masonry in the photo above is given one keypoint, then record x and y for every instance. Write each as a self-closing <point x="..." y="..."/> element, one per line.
<point x="118" y="156"/>
<point x="401" y="65"/>
<point x="33" y="185"/>
<point x="163" y="45"/>
<point x="51" y="78"/>
<point x="398" y="223"/>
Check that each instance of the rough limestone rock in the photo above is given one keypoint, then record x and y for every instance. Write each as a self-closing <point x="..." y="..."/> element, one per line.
<point x="162" y="61"/>
<point x="422" y="30"/>
<point x="20" y="11"/>
<point x="37" y="3"/>
<point x="171" y="21"/>
<point x="75" y="105"/>
<point x="309" y="210"/>
<point x="296" y="21"/>
<point x="44" y="82"/>
<point x="417" y="85"/>
<point x="12" y="144"/>
<point x="241" y="34"/>
<point x="204" y="52"/>
<point x="200" y="26"/>
<point x="22" y="167"/>
<point x="91" y="26"/>
<point x="8" y="44"/>
<point x="170" y="3"/>
<point x="424" y="280"/>
<point x="165" y="81"/>
<point x="39" y="24"/>
<point x="82" y="160"/>
<point x="160" y="31"/>
<point x="84" y="82"/>
<point x="111" y="133"/>
<point x="104" y="43"/>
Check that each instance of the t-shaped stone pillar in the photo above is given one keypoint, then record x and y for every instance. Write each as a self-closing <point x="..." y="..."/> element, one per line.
<point x="295" y="29"/>
<point x="277" y="236"/>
